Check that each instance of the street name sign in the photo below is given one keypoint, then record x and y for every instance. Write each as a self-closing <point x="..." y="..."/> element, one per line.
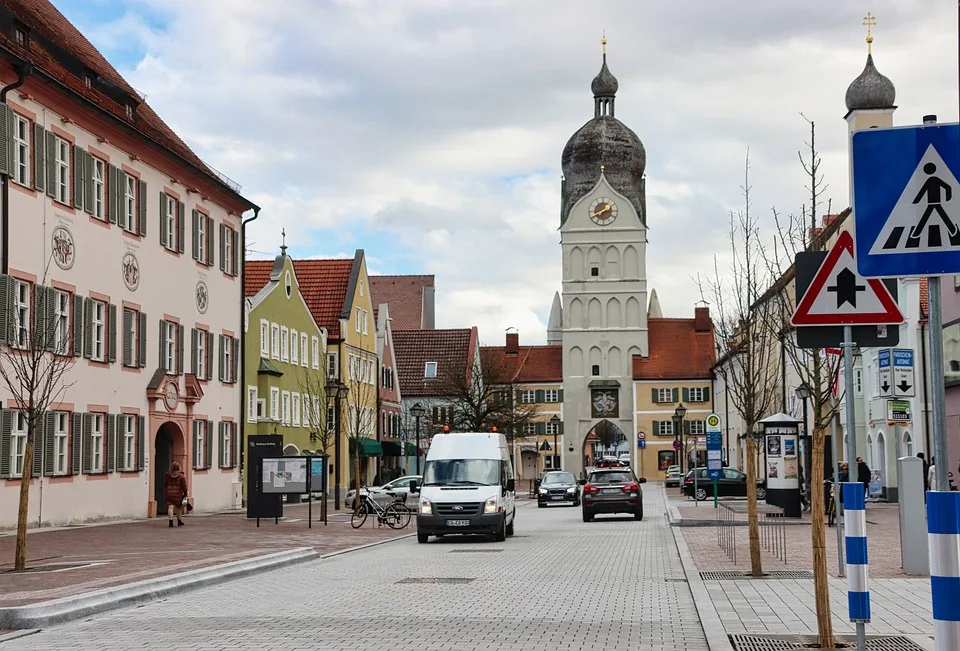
<point x="839" y="296"/>
<point x="906" y="200"/>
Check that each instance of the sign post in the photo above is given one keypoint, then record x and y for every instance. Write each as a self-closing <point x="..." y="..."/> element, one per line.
<point x="714" y="453"/>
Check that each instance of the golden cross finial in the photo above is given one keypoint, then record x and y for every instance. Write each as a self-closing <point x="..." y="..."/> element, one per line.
<point x="603" y="42"/>
<point x="869" y="21"/>
<point x="603" y="168"/>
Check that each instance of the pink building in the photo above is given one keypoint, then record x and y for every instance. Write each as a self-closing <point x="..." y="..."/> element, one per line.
<point x="119" y="238"/>
<point x="950" y="294"/>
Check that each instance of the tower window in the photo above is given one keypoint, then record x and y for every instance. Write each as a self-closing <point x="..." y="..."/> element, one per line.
<point x="21" y="35"/>
<point x="595" y="370"/>
<point x="595" y="271"/>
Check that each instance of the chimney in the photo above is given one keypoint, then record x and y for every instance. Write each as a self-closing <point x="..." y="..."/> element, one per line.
<point x="513" y="343"/>
<point x="701" y="319"/>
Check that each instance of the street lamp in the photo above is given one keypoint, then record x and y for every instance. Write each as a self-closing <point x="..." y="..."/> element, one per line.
<point x="338" y="391"/>
<point x="803" y="393"/>
<point x="555" y="421"/>
<point x="678" y="415"/>
<point x="417" y="410"/>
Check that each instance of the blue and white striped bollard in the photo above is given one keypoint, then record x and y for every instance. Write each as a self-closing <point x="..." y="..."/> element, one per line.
<point x="943" y="527"/>
<point x="855" y="530"/>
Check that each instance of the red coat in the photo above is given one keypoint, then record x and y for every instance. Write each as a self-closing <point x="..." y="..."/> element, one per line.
<point x="174" y="487"/>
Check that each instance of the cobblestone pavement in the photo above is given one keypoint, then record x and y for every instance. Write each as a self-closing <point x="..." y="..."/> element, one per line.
<point x="559" y="583"/>
<point x="135" y="551"/>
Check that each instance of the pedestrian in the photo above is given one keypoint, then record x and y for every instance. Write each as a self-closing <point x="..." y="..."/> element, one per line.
<point x="863" y="475"/>
<point x="842" y="479"/>
<point x="932" y="473"/>
<point x="175" y="492"/>
<point x="926" y="471"/>
<point x="804" y="501"/>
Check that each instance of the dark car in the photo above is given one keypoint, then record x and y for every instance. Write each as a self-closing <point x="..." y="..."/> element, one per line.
<point x="612" y="490"/>
<point x="732" y="483"/>
<point x="558" y="488"/>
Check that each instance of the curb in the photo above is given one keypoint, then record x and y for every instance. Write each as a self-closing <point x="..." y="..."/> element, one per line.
<point x="59" y="611"/>
<point x="16" y="635"/>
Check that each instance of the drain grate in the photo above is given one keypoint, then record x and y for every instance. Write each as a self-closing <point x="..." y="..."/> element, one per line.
<point x="475" y="551"/>
<point x="803" y="642"/>
<point x="731" y="575"/>
<point x="426" y="579"/>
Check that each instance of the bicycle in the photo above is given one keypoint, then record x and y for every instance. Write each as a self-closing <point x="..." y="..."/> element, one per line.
<point x="396" y="515"/>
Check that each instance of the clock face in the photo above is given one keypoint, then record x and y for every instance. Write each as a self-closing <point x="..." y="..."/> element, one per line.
<point x="603" y="211"/>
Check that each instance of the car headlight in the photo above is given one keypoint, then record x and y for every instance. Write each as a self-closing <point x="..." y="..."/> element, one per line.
<point x="426" y="506"/>
<point x="571" y="490"/>
<point x="490" y="506"/>
<point x="543" y="491"/>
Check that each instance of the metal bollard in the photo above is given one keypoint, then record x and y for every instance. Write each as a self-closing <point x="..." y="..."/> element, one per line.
<point x="943" y="526"/>
<point x="855" y="530"/>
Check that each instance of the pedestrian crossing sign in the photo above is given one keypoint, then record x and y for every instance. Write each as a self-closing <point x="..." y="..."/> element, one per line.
<point x="906" y="201"/>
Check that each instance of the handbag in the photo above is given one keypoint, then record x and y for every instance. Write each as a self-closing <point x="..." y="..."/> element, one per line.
<point x="186" y="503"/>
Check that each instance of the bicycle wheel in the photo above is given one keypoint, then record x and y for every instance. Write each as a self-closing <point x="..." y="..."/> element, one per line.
<point x="397" y="516"/>
<point x="359" y="516"/>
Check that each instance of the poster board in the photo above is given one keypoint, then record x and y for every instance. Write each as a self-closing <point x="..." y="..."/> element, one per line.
<point x="284" y="475"/>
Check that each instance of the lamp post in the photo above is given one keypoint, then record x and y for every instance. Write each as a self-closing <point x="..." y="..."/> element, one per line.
<point x="555" y="421"/>
<point x="804" y="393"/>
<point x="338" y="391"/>
<point x="417" y="410"/>
<point x="678" y="415"/>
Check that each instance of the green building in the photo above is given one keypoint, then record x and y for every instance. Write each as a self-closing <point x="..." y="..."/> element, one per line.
<point x="286" y="359"/>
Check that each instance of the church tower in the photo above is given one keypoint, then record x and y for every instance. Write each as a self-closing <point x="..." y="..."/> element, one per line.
<point x="870" y="99"/>
<point x="603" y="234"/>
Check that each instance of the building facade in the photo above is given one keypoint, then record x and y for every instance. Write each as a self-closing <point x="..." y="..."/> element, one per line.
<point x="126" y="246"/>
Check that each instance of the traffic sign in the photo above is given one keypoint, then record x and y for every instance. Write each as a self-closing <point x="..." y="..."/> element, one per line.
<point x="712" y="423"/>
<point x="641" y="444"/>
<point x="838" y="296"/>
<point x="906" y="200"/>
<point x="904" y="384"/>
<point x="714" y="452"/>
<point x="676" y="445"/>
<point x="641" y="436"/>
<point x="885" y="372"/>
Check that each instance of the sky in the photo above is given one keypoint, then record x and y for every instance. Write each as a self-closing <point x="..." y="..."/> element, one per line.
<point x="429" y="132"/>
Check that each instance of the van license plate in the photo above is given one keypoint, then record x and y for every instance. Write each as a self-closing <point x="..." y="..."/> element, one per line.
<point x="458" y="523"/>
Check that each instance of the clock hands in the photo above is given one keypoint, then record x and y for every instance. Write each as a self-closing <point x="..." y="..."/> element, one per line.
<point x="600" y="212"/>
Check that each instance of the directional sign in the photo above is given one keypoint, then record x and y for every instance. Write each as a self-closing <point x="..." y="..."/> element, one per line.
<point x="906" y="200"/>
<point x="904" y="384"/>
<point x="885" y="372"/>
<point x="641" y="444"/>
<point x="838" y="296"/>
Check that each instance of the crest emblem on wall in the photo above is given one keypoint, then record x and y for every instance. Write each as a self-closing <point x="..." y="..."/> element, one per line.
<point x="604" y="403"/>
<point x="203" y="297"/>
<point x="130" y="268"/>
<point x="62" y="247"/>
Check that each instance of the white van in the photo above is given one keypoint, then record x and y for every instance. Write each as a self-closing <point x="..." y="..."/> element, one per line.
<point x="468" y="487"/>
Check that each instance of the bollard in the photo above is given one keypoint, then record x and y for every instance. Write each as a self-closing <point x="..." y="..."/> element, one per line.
<point x="855" y="530"/>
<point x="943" y="525"/>
<point x="913" y="542"/>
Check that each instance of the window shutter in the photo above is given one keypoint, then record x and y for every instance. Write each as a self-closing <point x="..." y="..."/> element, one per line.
<point x="706" y="394"/>
<point x="223" y="248"/>
<point x="686" y="427"/>
<point x="6" y="432"/>
<point x="142" y="206"/>
<point x="87" y="181"/>
<point x="87" y="443"/>
<point x="195" y="229"/>
<point x="39" y="312"/>
<point x="78" y="179"/>
<point x="162" y="339"/>
<point x="222" y="341"/>
<point x="76" y="444"/>
<point x="142" y="339"/>
<point x="210" y="238"/>
<point x="236" y="359"/>
<point x="181" y="225"/>
<point x="656" y="427"/>
<point x="141" y="443"/>
<point x="655" y="395"/>
<point x="113" y="193"/>
<point x="77" y="323"/>
<point x="6" y="289"/>
<point x="560" y="428"/>
<point x="234" y="252"/>
<point x="37" y="436"/>
<point x="196" y="445"/>
<point x="111" y="441"/>
<point x="39" y="165"/>
<point x="112" y="331"/>
<point x="540" y="395"/>
<point x="180" y="349"/>
<point x="208" y="439"/>
<point x="121" y="441"/>
<point x="208" y="362"/>
<point x="686" y="394"/>
<point x="560" y="395"/>
<point x="676" y="395"/>
<point x="540" y="428"/>
<point x="193" y="350"/>
<point x="50" y="305"/>
<point x="6" y="140"/>
<point x="518" y="396"/>
<point x="235" y="439"/>
<point x="222" y="443"/>
<point x="49" y="425"/>
<point x="87" y="328"/>
<point x="163" y="219"/>
<point x="127" y="338"/>
<point x="51" y="161"/>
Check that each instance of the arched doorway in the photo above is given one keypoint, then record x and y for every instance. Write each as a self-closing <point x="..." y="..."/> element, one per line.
<point x="168" y="447"/>
<point x="881" y="458"/>
<point x="603" y="440"/>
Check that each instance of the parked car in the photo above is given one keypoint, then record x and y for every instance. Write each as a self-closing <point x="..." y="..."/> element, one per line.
<point x="673" y="476"/>
<point x="612" y="490"/>
<point x="558" y="487"/>
<point x="732" y="483"/>
<point x="399" y="487"/>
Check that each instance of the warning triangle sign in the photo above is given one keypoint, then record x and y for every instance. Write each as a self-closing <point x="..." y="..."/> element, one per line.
<point x="839" y="296"/>
<point x="926" y="217"/>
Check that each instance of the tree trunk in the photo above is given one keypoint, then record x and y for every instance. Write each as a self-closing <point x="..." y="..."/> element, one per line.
<point x="821" y="587"/>
<point x="756" y="566"/>
<point x="356" y="480"/>
<point x="20" y="558"/>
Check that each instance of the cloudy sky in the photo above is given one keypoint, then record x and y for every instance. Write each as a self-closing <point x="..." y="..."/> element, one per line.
<point x="429" y="132"/>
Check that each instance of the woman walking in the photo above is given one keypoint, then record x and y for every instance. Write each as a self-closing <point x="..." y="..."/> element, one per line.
<point x="175" y="491"/>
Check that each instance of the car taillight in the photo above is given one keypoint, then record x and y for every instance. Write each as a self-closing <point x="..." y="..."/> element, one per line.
<point x="587" y="488"/>
<point x="688" y="480"/>
<point x="631" y="488"/>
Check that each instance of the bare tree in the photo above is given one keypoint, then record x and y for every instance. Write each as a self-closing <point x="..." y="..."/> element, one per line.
<point x="751" y="372"/>
<point x="361" y="423"/>
<point x="313" y="383"/>
<point x="34" y="365"/>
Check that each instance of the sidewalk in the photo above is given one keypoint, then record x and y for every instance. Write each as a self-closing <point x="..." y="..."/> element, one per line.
<point x="900" y="605"/>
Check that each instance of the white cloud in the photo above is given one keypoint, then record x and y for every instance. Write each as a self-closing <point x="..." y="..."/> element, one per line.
<point x="429" y="132"/>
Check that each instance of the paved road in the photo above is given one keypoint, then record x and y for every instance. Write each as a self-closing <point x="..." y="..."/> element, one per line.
<point x="558" y="584"/>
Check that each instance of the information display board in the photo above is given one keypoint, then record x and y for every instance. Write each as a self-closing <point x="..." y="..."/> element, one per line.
<point x="284" y="475"/>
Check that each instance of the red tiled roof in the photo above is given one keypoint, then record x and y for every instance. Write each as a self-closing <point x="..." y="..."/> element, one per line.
<point x="677" y="351"/>
<point x="323" y="284"/>
<point x="531" y="364"/>
<point x="42" y="18"/>
<point x="404" y="295"/>
<point x="452" y="350"/>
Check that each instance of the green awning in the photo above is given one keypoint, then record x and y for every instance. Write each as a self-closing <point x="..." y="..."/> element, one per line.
<point x="368" y="447"/>
<point x="411" y="450"/>
<point x="391" y="449"/>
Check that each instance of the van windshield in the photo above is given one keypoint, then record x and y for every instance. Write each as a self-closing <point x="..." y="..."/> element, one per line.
<point x="465" y="472"/>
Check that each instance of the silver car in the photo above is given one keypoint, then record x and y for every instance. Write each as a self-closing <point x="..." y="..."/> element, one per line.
<point x="673" y="476"/>
<point x="399" y="487"/>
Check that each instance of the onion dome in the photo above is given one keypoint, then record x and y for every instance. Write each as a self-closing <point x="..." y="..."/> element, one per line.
<point x="870" y="90"/>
